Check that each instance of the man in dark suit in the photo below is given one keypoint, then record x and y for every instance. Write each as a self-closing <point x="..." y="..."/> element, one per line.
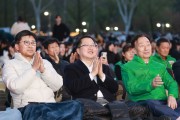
<point x="87" y="77"/>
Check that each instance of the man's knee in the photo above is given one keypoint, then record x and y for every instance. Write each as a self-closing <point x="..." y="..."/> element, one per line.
<point x="76" y="104"/>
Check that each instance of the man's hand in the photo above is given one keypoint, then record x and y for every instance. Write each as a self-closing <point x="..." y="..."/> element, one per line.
<point x="157" y="81"/>
<point x="73" y="57"/>
<point x="95" y="68"/>
<point x="41" y="68"/>
<point x="172" y="103"/>
<point x="56" y="57"/>
<point x="104" y="60"/>
<point x="36" y="63"/>
<point x="100" y="69"/>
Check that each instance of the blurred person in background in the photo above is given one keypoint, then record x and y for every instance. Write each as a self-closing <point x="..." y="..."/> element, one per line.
<point x="153" y="43"/>
<point x="162" y="56"/>
<point x="127" y="55"/>
<point x="62" y="50"/>
<point x="4" y="54"/>
<point x="176" y="71"/>
<point x="60" y="30"/>
<point x="112" y="55"/>
<point x="52" y="49"/>
<point x="19" y="25"/>
<point x="70" y="54"/>
<point x="175" y="49"/>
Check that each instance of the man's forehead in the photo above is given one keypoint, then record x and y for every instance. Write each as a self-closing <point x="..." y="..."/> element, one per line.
<point x="52" y="44"/>
<point x="165" y="43"/>
<point x="85" y="40"/>
<point x="142" y="41"/>
<point x="28" y="37"/>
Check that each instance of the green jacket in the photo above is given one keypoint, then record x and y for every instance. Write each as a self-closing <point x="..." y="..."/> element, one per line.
<point x="117" y="69"/>
<point x="119" y="64"/>
<point x="138" y="76"/>
<point x="166" y="62"/>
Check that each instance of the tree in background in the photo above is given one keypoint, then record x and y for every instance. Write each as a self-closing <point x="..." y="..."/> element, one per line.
<point x="126" y="9"/>
<point x="152" y="12"/>
<point x="98" y="13"/>
<point x="38" y="9"/>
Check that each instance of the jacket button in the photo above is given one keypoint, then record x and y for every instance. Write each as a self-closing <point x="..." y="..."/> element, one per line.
<point x="95" y="94"/>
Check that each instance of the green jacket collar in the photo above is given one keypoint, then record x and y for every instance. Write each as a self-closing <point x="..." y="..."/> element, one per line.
<point x="159" y="57"/>
<point x="140" y="60"/>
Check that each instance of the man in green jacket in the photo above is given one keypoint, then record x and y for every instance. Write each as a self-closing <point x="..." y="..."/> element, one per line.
<point x="162" y="56"/>
<point x="146" y="81"/>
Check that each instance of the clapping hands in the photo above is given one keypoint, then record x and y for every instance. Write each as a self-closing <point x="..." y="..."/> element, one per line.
<point x="38" y="63"/>
<point x="97" y="68"/>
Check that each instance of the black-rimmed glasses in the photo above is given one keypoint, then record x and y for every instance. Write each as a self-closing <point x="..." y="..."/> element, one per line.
<point x="27" y="43"/>
<point x="93" y="45"/>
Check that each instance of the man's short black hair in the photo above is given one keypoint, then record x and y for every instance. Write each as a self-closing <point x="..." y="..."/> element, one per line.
<point x="24" y="33"/>
<point x="79" y="41"/>
<point x="49" y="41"/>
<point x="161" y="40"/>
<point x="137" y="37"/>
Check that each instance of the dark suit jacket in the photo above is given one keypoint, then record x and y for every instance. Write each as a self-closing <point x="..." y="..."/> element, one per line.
<point x="176" y="71"/>
<point x="77" y="80"/>
<point x="59" y="67"/>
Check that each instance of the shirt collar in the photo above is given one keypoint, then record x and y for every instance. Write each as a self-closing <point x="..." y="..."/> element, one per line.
<point x="88" y="66"/>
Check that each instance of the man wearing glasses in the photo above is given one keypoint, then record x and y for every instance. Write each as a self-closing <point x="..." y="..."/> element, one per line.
<point x="88" y="78"/>
<point x="32" y="81"/>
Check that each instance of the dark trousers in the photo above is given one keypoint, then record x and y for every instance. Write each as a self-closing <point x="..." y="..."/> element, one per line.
<point x="138" y="110"/>
<point x="159" y="108"/>
<point x="68" y="110"/>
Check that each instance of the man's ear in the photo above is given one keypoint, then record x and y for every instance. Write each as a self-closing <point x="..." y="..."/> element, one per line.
<point x="16" y="47"/>
<point x="77" y="50"/>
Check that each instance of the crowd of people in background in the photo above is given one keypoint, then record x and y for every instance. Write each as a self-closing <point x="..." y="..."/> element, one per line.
<point x="92" y="67"/>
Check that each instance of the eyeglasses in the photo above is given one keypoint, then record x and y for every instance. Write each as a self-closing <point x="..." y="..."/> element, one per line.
<point x="27" y="43"/>
<point x="93" y="45"/>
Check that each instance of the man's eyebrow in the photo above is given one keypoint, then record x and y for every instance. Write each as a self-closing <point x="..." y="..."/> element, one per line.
<point x="145" y="43"/>
<point x="29" y="40"/>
